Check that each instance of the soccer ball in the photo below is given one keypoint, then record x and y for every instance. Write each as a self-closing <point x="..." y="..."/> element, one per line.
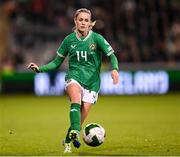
<point x="93" y="134"/>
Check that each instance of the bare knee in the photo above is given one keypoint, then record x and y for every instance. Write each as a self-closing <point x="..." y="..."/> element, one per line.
<point x="74" y="93"/>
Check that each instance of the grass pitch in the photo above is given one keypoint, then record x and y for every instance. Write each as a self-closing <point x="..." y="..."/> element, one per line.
<point x="135" y="125"/>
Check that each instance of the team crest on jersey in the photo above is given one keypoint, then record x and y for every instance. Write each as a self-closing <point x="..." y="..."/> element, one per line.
<point x="92" y="47"/>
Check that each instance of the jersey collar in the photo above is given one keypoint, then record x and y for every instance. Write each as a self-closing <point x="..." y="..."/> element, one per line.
<point x="90" y="32"/>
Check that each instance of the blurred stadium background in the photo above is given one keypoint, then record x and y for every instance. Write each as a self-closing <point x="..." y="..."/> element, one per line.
<point x="145" y="35"/>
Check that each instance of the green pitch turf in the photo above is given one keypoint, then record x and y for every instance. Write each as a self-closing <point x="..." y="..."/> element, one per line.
<point x="135" y="125"/>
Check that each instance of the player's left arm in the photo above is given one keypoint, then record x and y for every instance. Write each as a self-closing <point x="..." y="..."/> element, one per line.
<point x="115" y="68"/>
<point x="109" y="52"/>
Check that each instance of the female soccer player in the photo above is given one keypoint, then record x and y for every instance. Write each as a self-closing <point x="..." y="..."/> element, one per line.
<point x="84" y="49"/>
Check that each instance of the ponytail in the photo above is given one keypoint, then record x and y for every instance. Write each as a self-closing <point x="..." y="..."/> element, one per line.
<point x="92" y="25"/>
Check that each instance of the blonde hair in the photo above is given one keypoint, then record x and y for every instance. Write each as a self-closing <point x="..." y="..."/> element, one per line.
<point x="84" y="10"/>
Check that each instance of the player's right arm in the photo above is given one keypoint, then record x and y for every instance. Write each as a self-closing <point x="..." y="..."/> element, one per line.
<point x="54" y="64"/>
<point x="48" y="67"/>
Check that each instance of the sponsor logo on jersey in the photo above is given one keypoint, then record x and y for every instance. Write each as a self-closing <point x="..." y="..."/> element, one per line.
<point x="73" y="46"/>
<point x="92" y="47"/>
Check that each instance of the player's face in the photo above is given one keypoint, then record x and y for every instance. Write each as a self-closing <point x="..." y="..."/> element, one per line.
<point x="82" y="22"/>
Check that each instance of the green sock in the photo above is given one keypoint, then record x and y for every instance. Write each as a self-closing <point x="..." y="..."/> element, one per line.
<point x="67" y="139"/>
<point x="75" y="116"/>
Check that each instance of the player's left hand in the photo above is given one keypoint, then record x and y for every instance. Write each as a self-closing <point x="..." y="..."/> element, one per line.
<point x="115" y="76"/>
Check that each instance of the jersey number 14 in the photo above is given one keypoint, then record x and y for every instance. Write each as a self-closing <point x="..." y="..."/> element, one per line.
<point x="81" y="55"/>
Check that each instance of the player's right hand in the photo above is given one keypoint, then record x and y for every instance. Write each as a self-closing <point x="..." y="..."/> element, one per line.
<point x="33" y="67"/>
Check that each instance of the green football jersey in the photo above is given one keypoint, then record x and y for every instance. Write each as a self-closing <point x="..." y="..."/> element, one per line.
<point x="85" y="57"/>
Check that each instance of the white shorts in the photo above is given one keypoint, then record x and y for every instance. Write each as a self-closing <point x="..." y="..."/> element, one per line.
<point x="86" y="95"/>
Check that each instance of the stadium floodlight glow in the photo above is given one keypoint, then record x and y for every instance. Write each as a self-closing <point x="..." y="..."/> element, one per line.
<point x="43" y="85"/>
<point x="151" y="82"/>
<point x="139" y="82"/>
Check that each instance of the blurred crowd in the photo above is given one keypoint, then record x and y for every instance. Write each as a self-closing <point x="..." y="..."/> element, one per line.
<point x="140" y="31"/>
